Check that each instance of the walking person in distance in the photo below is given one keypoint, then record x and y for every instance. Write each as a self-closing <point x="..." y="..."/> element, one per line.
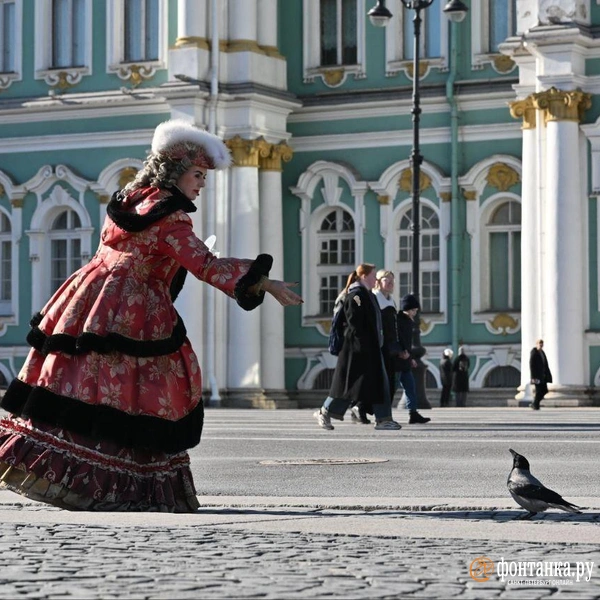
<point x="359" y="375"/>
<point x="405" y="363"/>
<point x="446" y="377"/>
<point x="540" y="373"/>
<point x="460" y="377"/>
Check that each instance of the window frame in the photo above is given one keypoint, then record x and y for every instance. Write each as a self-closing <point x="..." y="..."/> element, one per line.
<point x="6" y="304"/>
<point x="61" y="77"/>
<point x="431" y="266"/>
<point x="68" y="235"/>
<point x="115" y="44"/>
<point x="395" y="59"/>
<point x="329" y="270"/>
<point x="7" y="78"/>
<point x="475" y="186"/>
<point x="481" y="53"/>
<point x="321" y="188"/>
<point x="331" y="75"/>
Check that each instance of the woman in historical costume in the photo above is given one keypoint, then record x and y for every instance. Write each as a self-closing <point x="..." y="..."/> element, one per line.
<point x="359" y="377"/>
<point x="110" y="396"/>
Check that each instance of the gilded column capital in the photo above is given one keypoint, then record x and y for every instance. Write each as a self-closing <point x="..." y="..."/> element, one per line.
<point x="277" y="153"/>
<point x="17" y="202"/>
<point x="192" y="41"/>
<point x="526" y="110"/>
<point x="246" y="153"/>
<point x="559" y="105"/>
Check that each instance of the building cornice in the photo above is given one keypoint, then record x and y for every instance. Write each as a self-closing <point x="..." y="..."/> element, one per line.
<point x="380" y="139"/>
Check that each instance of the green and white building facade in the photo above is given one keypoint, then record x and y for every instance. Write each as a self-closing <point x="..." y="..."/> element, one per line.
<point x="315" y="104"/>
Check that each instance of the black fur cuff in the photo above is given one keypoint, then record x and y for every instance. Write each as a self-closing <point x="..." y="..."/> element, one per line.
<point x="261" y="266"/>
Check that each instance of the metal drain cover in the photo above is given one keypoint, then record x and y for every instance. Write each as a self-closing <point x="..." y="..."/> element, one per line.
<point x="324" y="461"/>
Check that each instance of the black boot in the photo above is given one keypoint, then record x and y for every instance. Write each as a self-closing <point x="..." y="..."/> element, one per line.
<point x="415" y="418"/>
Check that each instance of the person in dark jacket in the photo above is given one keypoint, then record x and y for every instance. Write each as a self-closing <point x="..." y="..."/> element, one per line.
<point x="540" y="373"/>
<point x="360" y="374"/>
<point x="405" y="362"/>
<point x="446" y="376"/>
<point x="460" y="379"/>
<point x="384" y="288"/>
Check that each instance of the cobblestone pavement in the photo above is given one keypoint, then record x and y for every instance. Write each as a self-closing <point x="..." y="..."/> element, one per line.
<point x="79" y="560"/>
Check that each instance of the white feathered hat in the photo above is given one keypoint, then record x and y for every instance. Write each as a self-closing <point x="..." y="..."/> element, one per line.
<point x="179" y="139"/>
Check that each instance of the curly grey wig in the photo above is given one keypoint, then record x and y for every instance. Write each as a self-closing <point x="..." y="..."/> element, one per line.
<point x="161" y="171"/>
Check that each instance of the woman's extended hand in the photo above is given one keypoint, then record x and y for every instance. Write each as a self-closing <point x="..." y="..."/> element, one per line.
<point x="280" y="290"/>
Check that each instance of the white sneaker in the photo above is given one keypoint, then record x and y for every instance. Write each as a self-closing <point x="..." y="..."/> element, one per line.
<point x="388" y="425"/>
<point x="356" y="418"/>
<point x="324" y="421"/>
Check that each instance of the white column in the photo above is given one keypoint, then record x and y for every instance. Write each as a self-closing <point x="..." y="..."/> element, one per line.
<point x="564" y="259"/>
<point x="267" y="24"/>
<point x="243" y="363"/>
<point x="271" y="242"/>
<point x="191" y="21"/>
<point x="242" y="20"/>
<point x="530" y="244"/>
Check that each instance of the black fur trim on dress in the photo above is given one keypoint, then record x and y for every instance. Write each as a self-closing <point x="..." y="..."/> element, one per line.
<point x="261" y="266"/>
<point x="104" y="422"/>
<point x="113" y="342"/>
<point x="134" y="223"/>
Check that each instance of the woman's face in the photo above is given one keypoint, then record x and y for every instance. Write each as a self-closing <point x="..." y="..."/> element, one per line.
<point x="386" y="284"/>
<point x="369" y="280"/>
<point x="192" y="181"/>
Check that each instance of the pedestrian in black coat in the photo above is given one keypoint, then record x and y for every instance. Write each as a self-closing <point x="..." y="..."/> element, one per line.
<point x="405" y="362"/>
<point x="446" y="376"/>
<point x="460" y="377"/>
<point x="540" y="373"/>
<point x="359" y="376"/>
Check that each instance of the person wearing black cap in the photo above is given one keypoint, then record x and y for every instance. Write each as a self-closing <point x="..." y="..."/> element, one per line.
<point x="405" y="362"/>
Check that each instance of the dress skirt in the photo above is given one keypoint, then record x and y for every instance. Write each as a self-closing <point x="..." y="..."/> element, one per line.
<point x="72" y="471"/>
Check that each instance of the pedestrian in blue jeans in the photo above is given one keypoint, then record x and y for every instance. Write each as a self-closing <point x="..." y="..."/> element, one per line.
<point x="405" y="362"/>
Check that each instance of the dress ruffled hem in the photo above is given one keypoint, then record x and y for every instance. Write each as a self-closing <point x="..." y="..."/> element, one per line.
<point x="52" y="465"/>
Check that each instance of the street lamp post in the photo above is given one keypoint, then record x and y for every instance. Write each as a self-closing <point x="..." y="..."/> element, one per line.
<point x="380" y="16"/>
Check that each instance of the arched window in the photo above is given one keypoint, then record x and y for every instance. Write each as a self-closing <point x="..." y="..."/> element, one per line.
<point x="429" y="261"/>
<point x="5" y="265"/>
<point x="502" y="377"/>
<point x="504" y="236"/>
<point x="337" y="255"/>
<point x="65" y="247"/>
<point x="338" y="32"/>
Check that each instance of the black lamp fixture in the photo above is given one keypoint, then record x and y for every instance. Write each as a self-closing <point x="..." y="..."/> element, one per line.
<point x="379" y="14"/>
<point x="456" y="10"/>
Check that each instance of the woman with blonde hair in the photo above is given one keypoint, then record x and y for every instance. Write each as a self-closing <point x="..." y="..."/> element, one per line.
<point x="360" y="376"/>
<point x="384" y="288"/>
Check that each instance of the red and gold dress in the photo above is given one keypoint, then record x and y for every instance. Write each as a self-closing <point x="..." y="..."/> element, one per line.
<point x="110" y="396"/>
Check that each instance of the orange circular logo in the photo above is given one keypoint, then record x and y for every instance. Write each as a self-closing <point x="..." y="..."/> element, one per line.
<point x="481" y="568"/>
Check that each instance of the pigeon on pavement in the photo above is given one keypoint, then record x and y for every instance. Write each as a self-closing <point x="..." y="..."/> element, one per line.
<point x="530" y="493"/>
